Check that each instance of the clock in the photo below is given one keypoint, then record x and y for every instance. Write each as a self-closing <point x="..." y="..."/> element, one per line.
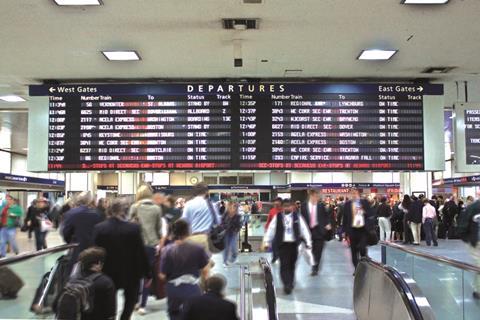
<point x="193" y="180"/>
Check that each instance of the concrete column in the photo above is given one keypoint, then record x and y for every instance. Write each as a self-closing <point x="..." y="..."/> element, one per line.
<point x="81" y="181"/>
<point x="416" y="182"/>
<point x="128" y="183"/>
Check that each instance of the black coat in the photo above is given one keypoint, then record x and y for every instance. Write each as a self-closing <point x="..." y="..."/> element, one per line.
<point x="384" y="210"/>
<point x="415" y="212"/>
<point x="78" y="227"/>
<point x="323" y="219"/>
<point x="348" y="215"/>
<point x="126" y="262"/>
<point x="209" y="307"/>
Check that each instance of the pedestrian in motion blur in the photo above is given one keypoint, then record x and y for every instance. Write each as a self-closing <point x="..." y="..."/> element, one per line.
<point x="320" y="224"/>
<point x="286" y="231"/>
<point x="232" y="224"/>
<point x="11" y="214"/>
<point x="276" y="209"/>
<point x="126" y="262"/>
<point x="38" y="220"/>
<point x="154" y="229"/>
<point x="357" y="221"/>
<point x="183" y="265"/>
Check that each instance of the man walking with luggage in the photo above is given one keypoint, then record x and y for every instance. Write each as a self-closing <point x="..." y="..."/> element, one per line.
<point x="319" y="223"/>
<point x="286" y="231"/>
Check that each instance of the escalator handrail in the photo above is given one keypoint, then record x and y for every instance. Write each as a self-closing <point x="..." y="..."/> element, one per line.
<point x="33" y="254"/>
<point x="270" y="289"/>
<point x="402" y="287"/>
<point x="451" y="262"/>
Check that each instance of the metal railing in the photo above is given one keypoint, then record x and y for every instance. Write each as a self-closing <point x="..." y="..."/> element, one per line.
<point x="271" y="297"/>
<point x="33" y="254"/>
<point x="451" y="262"/>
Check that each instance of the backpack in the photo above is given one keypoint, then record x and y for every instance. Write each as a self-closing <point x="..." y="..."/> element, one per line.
<point x="77" y="298"/>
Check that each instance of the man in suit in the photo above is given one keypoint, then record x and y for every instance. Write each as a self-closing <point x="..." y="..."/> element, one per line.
<point x="78" y="224"/>
<point x="357" y="221"/>
<point x="212" y="305"/>
<point x="319" y="222"/>
<point x="126" y="261"/>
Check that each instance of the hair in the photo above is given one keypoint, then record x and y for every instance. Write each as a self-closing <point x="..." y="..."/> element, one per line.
<point x="84" y="198"/>
<point x="425" y="201"/>
<point x="340" y="198"/>
<point x="171" y="200"/>
<point x="277" y="199"/>
<point x="231" y="205"/>
<point x="180" y="229"/>
<point x="470" y="198"/>
<point x="200" y="189"/>
<point x="312" y="192"/>
<point x="406" y="201"/>
<point x="216" y="284"/>
<point x="286" y="201"/>
<point x="383" y="199"/>
<point x="102" y="203"/>
<point x="118" y="207"/>
<point x="90" y="257"/>
<point x="143" y="192"/>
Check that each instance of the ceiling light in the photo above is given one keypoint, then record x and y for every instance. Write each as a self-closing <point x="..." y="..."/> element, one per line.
<point x="438" y="69"/>
<point x="12" y="98"/>
<point x="126" y="55"/>
<point x="424" y="1"/>
<point x="78" y="2"/>
<point x="376" y="54"/>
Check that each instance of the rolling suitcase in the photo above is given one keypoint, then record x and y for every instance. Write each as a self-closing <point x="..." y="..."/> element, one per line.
<point x="10" y="283"/>
<point x="51" y="286"/>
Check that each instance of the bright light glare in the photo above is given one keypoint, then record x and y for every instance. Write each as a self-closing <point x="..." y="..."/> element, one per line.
<point x="121" y="55"/>
<point x="12" y="98"/>
<point x="425" y="1"/>
<point x="78" y="2"/>
<point x="376" y="54"/>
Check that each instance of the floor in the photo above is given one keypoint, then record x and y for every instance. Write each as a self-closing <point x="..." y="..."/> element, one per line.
<point x="322" y="297"/>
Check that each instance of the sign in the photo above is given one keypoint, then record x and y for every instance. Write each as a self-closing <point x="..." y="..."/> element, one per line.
<point x="457" y="181"/>
<point x="25" y="179"/>
<point x="250" y="126"/>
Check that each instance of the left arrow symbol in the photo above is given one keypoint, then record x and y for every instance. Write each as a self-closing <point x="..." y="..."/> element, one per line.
<point x="52" y="89"/>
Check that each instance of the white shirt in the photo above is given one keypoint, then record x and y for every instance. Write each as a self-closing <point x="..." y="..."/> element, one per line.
<point x="312" y="209"/>
<point x="428" y="212"/>
<point x="358" y="220"/>
<point x="289" y="235"/>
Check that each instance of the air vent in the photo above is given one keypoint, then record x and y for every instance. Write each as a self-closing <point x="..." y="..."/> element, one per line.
<point x="252" y="1"/>
<point x="240" y="24"/>
<point x="292" y="72"/>
<point x="438" y="69"/>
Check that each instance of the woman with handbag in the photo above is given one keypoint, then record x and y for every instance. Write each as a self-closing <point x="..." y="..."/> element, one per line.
<point x="40" y="223"/>
<point x="10" y="217"/>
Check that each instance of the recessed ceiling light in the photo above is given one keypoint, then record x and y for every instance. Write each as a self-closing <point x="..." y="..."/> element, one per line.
<point x="12" y="98"/>
<point x="78" y="2"/>
<point x="376" y="54"/>
<point x="424" y="1"/>
<point x="121" y="55"/>
<point x="438" y="69"/>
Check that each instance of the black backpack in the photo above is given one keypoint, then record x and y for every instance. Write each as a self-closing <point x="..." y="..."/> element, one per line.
<point x="77" y="298"/>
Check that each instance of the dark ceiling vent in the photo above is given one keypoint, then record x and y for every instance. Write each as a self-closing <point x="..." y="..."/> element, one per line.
<point x="252" y="1"/>
<point x="240" y="23"/>
<point x="438" y="69"/>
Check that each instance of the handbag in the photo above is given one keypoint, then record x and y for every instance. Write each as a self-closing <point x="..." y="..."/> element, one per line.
<point x="372" y="238"/>
<point x="45" y="225"/>
<point x="217" y="232"/>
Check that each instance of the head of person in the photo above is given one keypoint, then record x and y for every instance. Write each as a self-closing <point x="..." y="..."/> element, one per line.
<point x="298" y="204"/>
<point x="42" y="203"/>
<point x="277" y="203"/>
<point x="313" y="195"/>
<point x="10" y="200"/>
<point x="426" y="202"/>
<point x="143" y="192"/>
<point x="84" y="198"/>
<point x="216" y="284"/>
<point x="288" y="206"/>
<point x="180" y="229"/>
<point x="158" y="198"/>
<point x="102" y="203"/>
<point x="180" y="203"/>
<point x="470" y="199"/>
<point x="200" y="190"/>
<point x="434" y="197"/>
<point x="232" y="208"/>
<point x="354" y="194"/>
<point x="92" y="259"/>
<point x="119" y="208"/>
<point x="170" y="201"/>
<point x="34" y="203"/>
<point x="340" y="198"/>
<point x="383" y="200"/>
<point x="406" y="199"/>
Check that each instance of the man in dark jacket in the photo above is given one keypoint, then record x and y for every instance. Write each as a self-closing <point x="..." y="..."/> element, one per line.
<point x="211" y="305"/>
<point x="78" y="224"/>
<point x="414" y="218"/>
<point x="358" y="220"/>
<point x="126" y="262"/>
<point x="319" y="223"/>
<point x="450" y="213"/>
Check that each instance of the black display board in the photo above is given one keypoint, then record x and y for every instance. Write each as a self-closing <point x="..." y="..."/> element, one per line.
<point x="251" y="126"/>
<point x="472" y="136"/>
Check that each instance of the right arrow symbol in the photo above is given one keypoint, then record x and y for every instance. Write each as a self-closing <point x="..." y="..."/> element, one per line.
<point x="420" y="88"/>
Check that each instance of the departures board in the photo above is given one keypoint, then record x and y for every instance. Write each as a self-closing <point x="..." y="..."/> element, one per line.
<point x="236" y="125"/>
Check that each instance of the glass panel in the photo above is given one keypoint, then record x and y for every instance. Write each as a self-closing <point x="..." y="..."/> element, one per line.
<point x="442" y="285"/>
<point x="31" y="272"/>
<point x="400" y="260"/>
<point x="471" y="282"/>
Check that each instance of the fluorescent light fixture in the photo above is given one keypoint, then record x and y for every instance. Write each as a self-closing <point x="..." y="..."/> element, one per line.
<point x="78" y="2"/>
<point x="376" y="54"/>
<point x="424" y="1"/>
<point x="121" y="55"/>
<point x="12" y="98"/>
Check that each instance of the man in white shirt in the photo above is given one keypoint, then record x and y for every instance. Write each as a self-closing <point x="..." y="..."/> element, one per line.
<point x="286" y="231"/>
<point x="428" y="215"/>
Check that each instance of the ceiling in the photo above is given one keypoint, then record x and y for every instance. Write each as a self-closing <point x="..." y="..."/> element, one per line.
<point x="184" y="39"/>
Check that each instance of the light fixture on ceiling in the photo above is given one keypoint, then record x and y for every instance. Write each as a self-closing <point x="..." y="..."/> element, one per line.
<point x="12" y="98"/>
<point x="78" y="2"/>
<point x="438" y="69"/>
<point x="376" y="54"/>
<point x="121" y="55"/>
<point x="425" y="1"/>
